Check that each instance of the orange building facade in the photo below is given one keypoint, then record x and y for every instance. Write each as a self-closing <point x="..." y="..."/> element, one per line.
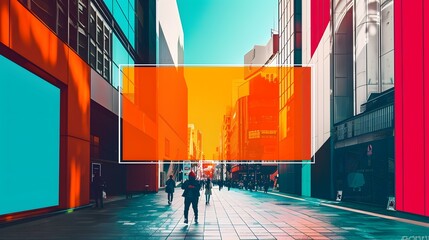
<point x="26" y="41"/>
<point x="84" y="70"/>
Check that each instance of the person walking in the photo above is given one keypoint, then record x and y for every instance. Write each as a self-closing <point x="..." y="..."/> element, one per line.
<point x="266" y="186"/>
<point x="98" y="186"/>
<point x="191" y="195"/>
<point x="208" y="192"/>
<point x="220" y="185"/>
<point x="202" y="184"/>
<point x="169" y="188"/>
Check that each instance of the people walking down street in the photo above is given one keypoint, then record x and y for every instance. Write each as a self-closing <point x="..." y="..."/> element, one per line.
<point x="266" y="186"/>
<point x="208" y="192"/>
<point x="98" y="186"/>
<point x="169" y="188"/>
<point x="191" y="195"/>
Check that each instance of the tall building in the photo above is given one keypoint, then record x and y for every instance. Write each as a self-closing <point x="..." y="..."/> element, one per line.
<point x="293" y="178"/>
<point x="65" y="56"/>
<point x="225" y="148"/>
<point x="254" y="123"/>
<point x="195" y="143"/>
<point x="360" y="50"/>
<point x="172" y="100"/>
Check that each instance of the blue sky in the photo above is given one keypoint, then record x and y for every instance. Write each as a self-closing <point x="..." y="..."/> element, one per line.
<point x="222" y="31"/>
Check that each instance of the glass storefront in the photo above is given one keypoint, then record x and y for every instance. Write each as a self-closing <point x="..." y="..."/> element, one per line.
<point x="365" y="172"/>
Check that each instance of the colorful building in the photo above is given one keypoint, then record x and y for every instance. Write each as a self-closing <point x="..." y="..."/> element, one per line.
<point x="359" y="51"/>
<point x="254" y="123"/>
<point x="64" y="61"/>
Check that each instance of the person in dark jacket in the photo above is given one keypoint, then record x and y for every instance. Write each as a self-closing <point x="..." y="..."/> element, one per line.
<point x="169" y="188"/>
<point x="98" y="186"/>
<point x="266" y="186"/>
<point x="191" y="195"/>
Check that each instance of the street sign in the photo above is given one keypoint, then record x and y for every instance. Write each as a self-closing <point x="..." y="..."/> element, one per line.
<point x="186" y="169"/>
<point x="391" y="204"/>
<point x="339" y="195"/>
<point x="369" y="150"/>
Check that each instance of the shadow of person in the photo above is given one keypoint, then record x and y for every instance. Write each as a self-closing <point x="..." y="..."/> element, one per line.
<point x="185" y="228"/>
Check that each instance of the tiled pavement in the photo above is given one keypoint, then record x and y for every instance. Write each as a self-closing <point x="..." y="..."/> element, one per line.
<point x="236" y="214"/>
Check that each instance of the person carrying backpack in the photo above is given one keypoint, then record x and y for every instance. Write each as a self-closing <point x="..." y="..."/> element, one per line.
<point x="169" y="188"/>
<point x="209" y="186"/>
<point x="191" y="195"/>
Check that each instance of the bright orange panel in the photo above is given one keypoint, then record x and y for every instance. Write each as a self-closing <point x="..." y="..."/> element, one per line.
<point x="78" y="172"/>
<point x="4" y="22"/>
<point x="202" y="96"/>
<point x="78" y="97"/>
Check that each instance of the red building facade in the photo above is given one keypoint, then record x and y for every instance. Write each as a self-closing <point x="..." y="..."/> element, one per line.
<point x="411" y="106"/>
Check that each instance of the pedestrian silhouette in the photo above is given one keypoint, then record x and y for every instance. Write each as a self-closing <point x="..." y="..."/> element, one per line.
<point x="266" y="186"/>
<point x="202" y="184"/>
<point x="208" y="192"/>
<point x="169" y="188"/>
<point x="220" y="185"/>
<point x="191" y="195"/>
<point x="98" y="186"/>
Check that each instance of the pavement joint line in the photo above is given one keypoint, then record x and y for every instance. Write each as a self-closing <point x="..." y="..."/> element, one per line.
<point x="229" y="214"/>
<point x="246" y="210"/>
<point x="423" y="224"/>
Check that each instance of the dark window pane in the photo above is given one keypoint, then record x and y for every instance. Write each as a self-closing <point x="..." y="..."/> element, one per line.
<point x="92" y="24"/>
<point x="73" y="10"/>
<point x="83" y="45"/>
<point x="106" y="72"/>
<point x="62" y="24"/>
<point x="99" y="61"/>
<point x="99" y="32"/>
<point x="46" y="11"/>
<point x="73" y="36"/>
<point x="92" y="53"/>
<point x="83" y="14"/>
<point x="107" y="37"/>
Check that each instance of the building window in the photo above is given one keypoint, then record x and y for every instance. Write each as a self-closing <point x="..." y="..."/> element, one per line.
<point x="95" y="147"/>
<point x="82" y="49"/>
<point x="99" y="61"/>
<point x="92" y="53"/>
<point x="100" y="47"/>
<point x="81" y="26"/>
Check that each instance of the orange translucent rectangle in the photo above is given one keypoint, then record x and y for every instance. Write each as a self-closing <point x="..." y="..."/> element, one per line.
<point x="232" y="113"/>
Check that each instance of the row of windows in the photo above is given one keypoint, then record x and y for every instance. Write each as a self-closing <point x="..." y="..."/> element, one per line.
<point x="367" y="122"/>
<point x="79" y="24"/>
<point x="99" y="43"/>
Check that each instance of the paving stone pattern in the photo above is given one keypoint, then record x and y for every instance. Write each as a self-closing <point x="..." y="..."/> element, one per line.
<point x="235" y="214"/>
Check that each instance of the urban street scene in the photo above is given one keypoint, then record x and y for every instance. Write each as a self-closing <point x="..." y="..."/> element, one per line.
<point x="214" y="119"/>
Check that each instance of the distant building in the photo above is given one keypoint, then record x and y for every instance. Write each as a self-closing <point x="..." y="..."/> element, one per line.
<point x="254" y="124"/>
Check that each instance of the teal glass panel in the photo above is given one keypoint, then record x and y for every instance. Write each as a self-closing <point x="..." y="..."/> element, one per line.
<point x="306" y="179"/>
<point x="131" y="38"/>
<point x="109" y="4"/>
<point x="120" y="54"/>
<point x="120" y="13"/>
<point x="29" y="140"/>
